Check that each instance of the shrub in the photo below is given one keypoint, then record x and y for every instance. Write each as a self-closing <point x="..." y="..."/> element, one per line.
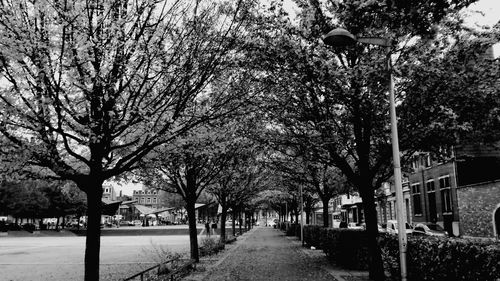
<point x="436" y="258"/>
<point x="345" y="247"/>
<point x="428" y="258"/>
<point x="29" y="227"/>
<point x="314" y="235"/>
<point x="210" y="246"/>
<point x="160" y="253"/>
<point x="293" y="230"/>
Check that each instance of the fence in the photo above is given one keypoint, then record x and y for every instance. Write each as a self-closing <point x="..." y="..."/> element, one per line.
<point x="163" y="269"/>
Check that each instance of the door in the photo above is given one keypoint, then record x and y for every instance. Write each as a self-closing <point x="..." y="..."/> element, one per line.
<point x="448" y="224"/>
<point x="432" y="207"/>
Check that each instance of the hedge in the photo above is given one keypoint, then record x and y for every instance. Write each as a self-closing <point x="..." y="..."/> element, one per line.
<point x="439" y="258"/>
<point x="428" y="258"/>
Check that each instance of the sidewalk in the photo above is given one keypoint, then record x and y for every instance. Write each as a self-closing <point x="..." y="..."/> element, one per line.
<point x="266" y="254"/>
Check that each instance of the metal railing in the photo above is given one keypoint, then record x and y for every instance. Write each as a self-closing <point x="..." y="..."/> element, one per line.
<point x="171" y="274"/>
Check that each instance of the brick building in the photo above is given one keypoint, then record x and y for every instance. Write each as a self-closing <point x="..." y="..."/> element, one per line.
<point x="386" y="202"/>
<point x="433" y="193"/>
<point x="151" y="198"/>
<point x="462" y="194"/>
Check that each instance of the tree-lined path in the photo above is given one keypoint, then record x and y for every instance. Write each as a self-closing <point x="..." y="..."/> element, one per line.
<point x="267" y="255"/>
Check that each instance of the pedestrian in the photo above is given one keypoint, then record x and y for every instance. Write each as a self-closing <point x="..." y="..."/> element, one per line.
<point x="214" y="226"/>
<point x="207" y="228"/>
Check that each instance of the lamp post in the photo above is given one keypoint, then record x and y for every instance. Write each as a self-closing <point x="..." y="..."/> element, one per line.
<point x="339" y="38"/>
<point x="301" y="216"/>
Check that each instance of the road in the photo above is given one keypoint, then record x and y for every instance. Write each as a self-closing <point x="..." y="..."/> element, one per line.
<point x="61" y="258"/>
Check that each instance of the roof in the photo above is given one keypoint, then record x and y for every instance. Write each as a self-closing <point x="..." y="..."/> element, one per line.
<point x="148" y="211"/>
<point x="196" y="206"/>
<point x="143" y="209"/>
<point x="110" y="207"/>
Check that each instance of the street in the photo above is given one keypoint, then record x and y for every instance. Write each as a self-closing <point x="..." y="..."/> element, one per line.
<point x="61" y="258"/>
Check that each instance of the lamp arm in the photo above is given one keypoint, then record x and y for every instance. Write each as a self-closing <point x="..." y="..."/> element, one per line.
<point x="379" y="41"/>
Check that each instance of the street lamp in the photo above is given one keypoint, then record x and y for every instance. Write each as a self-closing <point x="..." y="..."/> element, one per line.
<point x="340" y="38"/>
<point x="301" y="216"/>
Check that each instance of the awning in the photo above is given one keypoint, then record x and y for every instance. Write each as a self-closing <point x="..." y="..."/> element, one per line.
<point x="150" y="211"/>
<point x="110" y="207"/>
<point x="196" y="205"/>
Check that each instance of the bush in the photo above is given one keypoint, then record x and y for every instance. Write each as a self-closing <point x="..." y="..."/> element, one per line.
<point x="436" y="258"/>
<point x="293" y="230"/>
<point x="314" y="235"/>
<point x="345" y="247"/>
<point x="210" y="247"/>
<point x="428" y="258"/>
<point x="29" y="227"/>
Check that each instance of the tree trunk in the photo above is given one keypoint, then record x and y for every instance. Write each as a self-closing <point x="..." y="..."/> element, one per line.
<point x="326" y="221"/>
<point x="193" y="231"/>
<point x="240" y="222"/>
<point x="93" y="239"/>
<point x="223" y="224"/>
<point x="234" y="223"/>
<point x="376" y="265"/>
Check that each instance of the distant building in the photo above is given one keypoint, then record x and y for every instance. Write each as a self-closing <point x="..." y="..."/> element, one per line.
<point x="386" y="202"/>
<point x="108" y="192"/>
<point x="149" y="197"/>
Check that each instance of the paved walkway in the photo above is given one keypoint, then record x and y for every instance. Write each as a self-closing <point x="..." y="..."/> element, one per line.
<point x="266" y="254"/>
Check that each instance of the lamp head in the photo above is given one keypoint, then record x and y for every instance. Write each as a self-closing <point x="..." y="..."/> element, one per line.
<point x="339" y="37"/>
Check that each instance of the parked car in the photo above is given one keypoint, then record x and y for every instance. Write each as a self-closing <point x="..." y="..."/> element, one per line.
<point x="272" y="222"/>
<point x="382" y="228"/>
<point x="137" y="222"/>
<point x="353" y="225"/>
<point x="124" y="223"/>
<point x="429" y="229"/>
<point x="392" y="227"/>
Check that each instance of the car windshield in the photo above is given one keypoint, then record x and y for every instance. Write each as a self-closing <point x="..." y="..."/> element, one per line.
<point x="435" y="227"/>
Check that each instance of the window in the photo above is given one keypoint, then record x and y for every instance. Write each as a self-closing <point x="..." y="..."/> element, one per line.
<point x="445" y="187"/>
<point x="414" y="162"/>
<point x="142" y="200"/>
<point x="430" y="186"/>
<point x="427" y="160"/>
<point x="444" y="182"/>
<point x="154" y="200"/>
<point x="149" y="192"/>
<point x="106" y="190"/>
<point x="417" y="206"/>
<point x="431" y="197"/>
<point x="154" y="192"/>
<point x="148" y="201"/>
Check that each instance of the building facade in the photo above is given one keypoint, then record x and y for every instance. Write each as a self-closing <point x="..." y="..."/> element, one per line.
<point x="149" y="197"/>
<point x="386" y="202"/>
<point x="108" y="192"/>
<point x="461" y="193"/>
<point x="433" y="190"/>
